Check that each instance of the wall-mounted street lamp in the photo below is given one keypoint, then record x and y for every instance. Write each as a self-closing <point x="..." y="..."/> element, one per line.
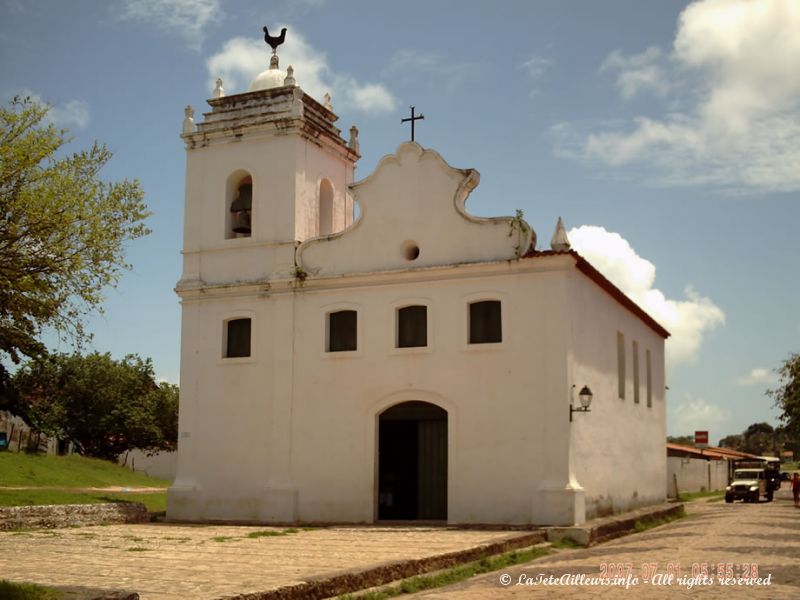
<point x="585" y="396"/>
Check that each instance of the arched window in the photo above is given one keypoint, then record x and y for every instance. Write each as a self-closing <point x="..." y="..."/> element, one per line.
<point x="485" y="322"/>
<point x="237" y="338"/>
<point x="238" y="222"/>
<point x="325" y="218"/>
<point x="412" y="326"/>
<point x="342" y="331"/>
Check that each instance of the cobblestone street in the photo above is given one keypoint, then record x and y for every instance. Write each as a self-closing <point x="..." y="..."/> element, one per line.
<point x="764" y="534"/>
<point x="197" y="562"/>
<point x="205" y="562"/>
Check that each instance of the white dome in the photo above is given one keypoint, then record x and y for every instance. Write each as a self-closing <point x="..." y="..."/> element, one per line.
<point x="266" y="80"/>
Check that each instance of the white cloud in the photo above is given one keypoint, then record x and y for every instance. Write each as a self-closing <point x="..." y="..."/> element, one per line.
<point x="736" y="63"/>
<point x="688" y="319"/>
<point x="638" y="72"/>
<point x="241" y="59"/>
<point x="757" y="376"/>
<point x="695" y="414"/>
<point x="411" y="65"/>
<point x="373" y="97"/>
<point x="535" y="67"/>
<point x="188" y="18"/>
<point x="73" y="114"/>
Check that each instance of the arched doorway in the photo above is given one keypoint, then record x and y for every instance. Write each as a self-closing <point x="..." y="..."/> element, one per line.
<point x="412" y="462"/>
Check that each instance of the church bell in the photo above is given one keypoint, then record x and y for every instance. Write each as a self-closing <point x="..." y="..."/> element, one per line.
<point x="241" y="207"/>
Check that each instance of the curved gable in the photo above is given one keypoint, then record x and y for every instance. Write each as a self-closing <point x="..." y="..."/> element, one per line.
<point x="413" y="215"/>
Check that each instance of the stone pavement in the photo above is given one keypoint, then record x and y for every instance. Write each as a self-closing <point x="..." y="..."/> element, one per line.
<point x="765" y="534"/>
<point x="196" y="562"/>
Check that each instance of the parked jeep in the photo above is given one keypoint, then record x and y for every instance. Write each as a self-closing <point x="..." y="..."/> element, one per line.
<point x="749" y="485"/>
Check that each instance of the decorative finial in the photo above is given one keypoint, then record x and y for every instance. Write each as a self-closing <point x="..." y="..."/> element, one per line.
<point x="560" y="241"/>
<point x="327" y="102"/>
<point x="273" y="61"/>
<point x="218" y="91"/>
<point x="413" y="118"/>
<point x="353" y="143"/>
<point x="274" y="42"/>
<point x="289" y="79"/>
<point x="188" y="119"/>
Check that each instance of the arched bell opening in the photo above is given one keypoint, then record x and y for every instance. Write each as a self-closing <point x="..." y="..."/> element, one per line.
<point x="412" y="462"/>
<point x="240" y="207"/>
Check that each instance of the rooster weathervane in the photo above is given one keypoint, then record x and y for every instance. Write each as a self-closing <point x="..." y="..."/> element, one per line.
<point x="274" y="41"/>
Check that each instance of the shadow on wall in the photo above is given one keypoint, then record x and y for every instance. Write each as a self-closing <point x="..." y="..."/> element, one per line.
<point x="600" y="506"/>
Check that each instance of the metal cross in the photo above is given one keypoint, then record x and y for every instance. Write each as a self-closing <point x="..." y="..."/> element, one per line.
<point x="412" y="118"/>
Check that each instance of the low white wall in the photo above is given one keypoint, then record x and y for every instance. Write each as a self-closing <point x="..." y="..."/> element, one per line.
<point x="695" y="474"/>
<point x="163" y="464"/>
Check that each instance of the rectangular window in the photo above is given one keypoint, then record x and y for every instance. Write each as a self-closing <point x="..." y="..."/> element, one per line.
<point x="412" y="327"/>
<point x="485" y="325"/>
<point x="342" y="331"/>
<point x="621" y="365"/>
<point x="648" y="378"/>
<point x="238" y="338"/>
<point x="636" y="372"/>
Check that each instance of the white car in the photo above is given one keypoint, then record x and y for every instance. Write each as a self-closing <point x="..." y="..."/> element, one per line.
<point x="748" y="485"/>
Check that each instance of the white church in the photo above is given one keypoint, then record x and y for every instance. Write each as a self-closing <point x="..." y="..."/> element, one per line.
<point x="410" y="363"/>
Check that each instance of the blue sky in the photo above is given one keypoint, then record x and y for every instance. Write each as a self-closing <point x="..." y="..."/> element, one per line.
<point x="666" y="134"/>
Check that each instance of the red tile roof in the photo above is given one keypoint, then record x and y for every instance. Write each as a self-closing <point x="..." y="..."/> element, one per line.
<point x="712" y="452"/>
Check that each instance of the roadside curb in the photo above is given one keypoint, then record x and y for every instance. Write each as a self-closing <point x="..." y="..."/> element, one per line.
<point x="608" y="528"/>
<point x="593" y="532"/>
<point x="346" y="583"/>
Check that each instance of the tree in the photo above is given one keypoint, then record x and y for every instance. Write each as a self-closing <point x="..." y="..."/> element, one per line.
<point x="787" y="399"/>
<point x="734" y="441"/>
<point x="62" y="232"/>
<point x="104" y="406"/>
<point x="685" y="440"/>
<point x="759" y="438"/>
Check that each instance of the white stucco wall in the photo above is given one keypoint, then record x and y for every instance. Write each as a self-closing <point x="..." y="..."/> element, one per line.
<point x="618" y="448"/>
<point x="289" y="433"/>
<point x="162" y="464"/>
<point x="493" y="394"/>
<point x="695" y="475"/>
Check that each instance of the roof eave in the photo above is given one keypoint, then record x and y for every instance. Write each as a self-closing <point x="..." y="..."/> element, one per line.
<point x="585" y="267"/>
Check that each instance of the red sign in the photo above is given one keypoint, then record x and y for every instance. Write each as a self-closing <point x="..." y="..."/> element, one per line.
<point x="701" y="438"/>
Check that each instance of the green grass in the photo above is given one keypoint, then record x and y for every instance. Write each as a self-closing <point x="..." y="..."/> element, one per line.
<point x="17" y="469"/>
<point x="66" y="472"/>
<point x="452" y="575"/>
<point x="155" y="502"/>
<point x="645" y="524"/>
<point x="25" y="591"/>
<point x="266" y="533"/>
<point x="260" y="534"/>
<point x="567" y="542"/>
<point x="703" y="494"/>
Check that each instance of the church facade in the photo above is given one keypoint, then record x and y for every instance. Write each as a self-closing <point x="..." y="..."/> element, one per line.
<point x="413" y="363"/>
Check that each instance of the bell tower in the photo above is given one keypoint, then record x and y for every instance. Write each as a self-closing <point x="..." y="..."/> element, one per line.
<point x="265" y="169"/>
